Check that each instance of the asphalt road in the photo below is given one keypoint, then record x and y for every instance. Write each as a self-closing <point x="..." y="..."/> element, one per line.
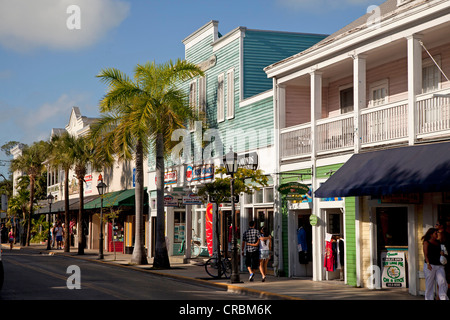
<point x="35" y="276"/>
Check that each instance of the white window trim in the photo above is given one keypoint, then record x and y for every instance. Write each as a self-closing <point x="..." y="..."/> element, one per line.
<point x="230" y="94"/>
<point x="384" y="83"/>
<point x="202" y="91"/>
<point x="221" y="98"/>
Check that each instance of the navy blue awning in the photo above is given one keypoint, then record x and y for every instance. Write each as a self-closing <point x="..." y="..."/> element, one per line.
<point x="413" y="169"/>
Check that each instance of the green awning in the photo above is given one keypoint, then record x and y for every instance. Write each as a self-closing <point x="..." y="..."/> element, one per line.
<point x="116" y="199"/>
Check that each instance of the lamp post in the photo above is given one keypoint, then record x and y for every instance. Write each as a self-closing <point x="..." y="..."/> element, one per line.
<point x="231" y="165"/>
<point x="50" y="198"/>
<point x="101" y="187"/>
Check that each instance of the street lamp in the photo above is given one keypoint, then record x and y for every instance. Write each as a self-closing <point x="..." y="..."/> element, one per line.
<point x="50" y="198"/>
<point x="101" y="187"/>
<point x="231" y="165"/>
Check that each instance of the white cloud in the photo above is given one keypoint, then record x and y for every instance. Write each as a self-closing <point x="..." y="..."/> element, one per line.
<point x="27" y="24"/>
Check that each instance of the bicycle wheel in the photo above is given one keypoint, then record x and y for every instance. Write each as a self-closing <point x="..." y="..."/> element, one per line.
<point x="226" y="267"/>
<point x="211" y="267"/>
<point x="195" y="250"/>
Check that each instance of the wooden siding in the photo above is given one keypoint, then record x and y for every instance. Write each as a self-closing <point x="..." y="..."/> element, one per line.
<point x="262" y="48"/>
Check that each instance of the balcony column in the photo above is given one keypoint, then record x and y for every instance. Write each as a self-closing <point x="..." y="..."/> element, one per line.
<point x="359" y="96"/>
<point x="318" y="231"/>
<point x="414" y="82"/>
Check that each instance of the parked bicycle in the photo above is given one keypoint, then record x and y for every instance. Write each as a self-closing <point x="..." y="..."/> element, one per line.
<point x="195" y="246"/>
<point x="212" y="267"/>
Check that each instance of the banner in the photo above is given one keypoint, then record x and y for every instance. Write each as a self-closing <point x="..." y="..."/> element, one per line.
<point x="209" y="228"/>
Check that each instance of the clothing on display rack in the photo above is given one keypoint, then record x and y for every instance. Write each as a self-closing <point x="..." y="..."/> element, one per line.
<point x="302" y="246"/>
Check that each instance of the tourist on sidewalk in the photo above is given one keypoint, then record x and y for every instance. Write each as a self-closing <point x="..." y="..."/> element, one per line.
<point x="250" y="251"/>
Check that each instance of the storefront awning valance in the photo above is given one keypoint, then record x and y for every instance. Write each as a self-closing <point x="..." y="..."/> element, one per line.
<point x="59" y="206"/>
<point x="414" y="169"/>
<point x="116" y="199"/>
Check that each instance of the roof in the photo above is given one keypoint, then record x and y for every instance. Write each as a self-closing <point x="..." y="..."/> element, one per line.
<point x="387" y="10"/>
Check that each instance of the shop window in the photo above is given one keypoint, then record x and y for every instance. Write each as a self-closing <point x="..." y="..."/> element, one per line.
<point x="334" y="223"/>
<point x="392" y="230"/>
<point x="248" y="198"/>
<point x="259" y="196"/>
<point x="268" y="195"/>
<point x="179" y="219"/>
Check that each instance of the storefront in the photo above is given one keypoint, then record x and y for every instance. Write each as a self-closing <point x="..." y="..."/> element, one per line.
<point x="400" y="193"/>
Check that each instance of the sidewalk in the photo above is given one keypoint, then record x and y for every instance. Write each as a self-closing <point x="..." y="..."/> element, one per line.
<point x="273" y="288"/>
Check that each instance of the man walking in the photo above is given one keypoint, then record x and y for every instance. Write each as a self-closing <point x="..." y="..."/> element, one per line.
<point x="251" y="252"/>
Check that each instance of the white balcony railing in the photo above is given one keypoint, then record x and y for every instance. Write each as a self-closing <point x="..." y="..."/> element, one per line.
<point x="382" y="124"/>
<point x="296" y="141"/>
<point x="387" y="122"/>
<point x="433" y="113"/>
<point x="335" y="133"/>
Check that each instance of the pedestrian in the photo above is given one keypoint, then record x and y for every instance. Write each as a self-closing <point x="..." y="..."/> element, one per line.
<point x="53" y="231"/>
<point x="433" y="269"/>
<point x="444" y="239"/>
<point x="11" y="239"/>
<point x="265" y="246"/>
<point x="251" y="252"/>
<point x="59" y="236"/>
<point x="4" y="233"/>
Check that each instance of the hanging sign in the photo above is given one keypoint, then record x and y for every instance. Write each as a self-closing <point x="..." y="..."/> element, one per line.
<point x="394" y="273"/>
<point x="313" y="219"/>
<point x="293" y="190"/>
<point x="192" y="199"/>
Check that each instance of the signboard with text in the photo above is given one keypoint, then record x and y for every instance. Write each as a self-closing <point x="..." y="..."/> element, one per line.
<point x="394" y="269"/>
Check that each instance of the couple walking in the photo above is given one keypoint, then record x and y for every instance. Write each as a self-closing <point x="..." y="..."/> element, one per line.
<point x="257" y="250"/>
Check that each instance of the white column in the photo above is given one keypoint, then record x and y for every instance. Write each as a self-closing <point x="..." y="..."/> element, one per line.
<point x="414" y="82"/>
<point x="316" y="112"/>
<point x="359" y="96"/>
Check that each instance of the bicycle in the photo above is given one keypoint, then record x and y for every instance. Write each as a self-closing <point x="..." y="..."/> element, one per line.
<point x="212" y="267"/>
<point x="195" y="246"/>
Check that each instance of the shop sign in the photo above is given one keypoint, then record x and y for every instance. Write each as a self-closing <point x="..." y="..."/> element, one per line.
<point x="170" y="177"/>
<point x="313" y="219"/>
<point x="293" y="190"/>
<point x="170" y="201"/>
<point x="192" y="199"/>
<point x="209" y="227"/>
<point x="402" y="198"/>
<point x="201" y="173"/>
<point x="189" y="173"/>
<point x="248" y="161"/>
<point x="394" y="273"/>
<point x="208" y="63"/>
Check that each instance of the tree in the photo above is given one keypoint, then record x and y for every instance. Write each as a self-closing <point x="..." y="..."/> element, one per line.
<point x="31" y="162"/>
<point x="143" y="112"/>
<point x="59" y="156"/>
<point x="245" y="181"/>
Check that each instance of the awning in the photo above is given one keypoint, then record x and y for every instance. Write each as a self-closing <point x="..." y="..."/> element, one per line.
<point x="414" y="169"/>
<point x="115" y="199"/>
<point x="59" y="206"/>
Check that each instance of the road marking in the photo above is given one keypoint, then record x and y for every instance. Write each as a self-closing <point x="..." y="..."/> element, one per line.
<point x="58" y="276"/>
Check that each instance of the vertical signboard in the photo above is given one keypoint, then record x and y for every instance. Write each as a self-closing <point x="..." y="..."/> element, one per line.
<point x="209" y="228"/>
<point x="394" y="270"/>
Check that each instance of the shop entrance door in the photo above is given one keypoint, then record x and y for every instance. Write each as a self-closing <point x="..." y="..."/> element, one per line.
<point x="304" y="257"/>
<point x="264" y="218"/>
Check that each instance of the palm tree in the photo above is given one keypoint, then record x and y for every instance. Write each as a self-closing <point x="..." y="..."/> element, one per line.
<point x="140" y="113"/>
<point x="59" y="157"/>
<point x="31" y="162"/>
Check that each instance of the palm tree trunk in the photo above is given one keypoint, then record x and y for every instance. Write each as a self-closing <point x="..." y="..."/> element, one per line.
<point x="30" y="215"/>
<point x="161" y="259"/>
<point x="66" y="209"/>
<point x="82" y="237"/>
<point x="139" y="256"/>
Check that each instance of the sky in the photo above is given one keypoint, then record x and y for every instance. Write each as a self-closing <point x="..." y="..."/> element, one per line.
<point x="52" y="50"/>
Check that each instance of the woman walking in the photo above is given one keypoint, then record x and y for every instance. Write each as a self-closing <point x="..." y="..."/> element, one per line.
<point x="433" y="269"/>
<point x="265" y="245"/>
